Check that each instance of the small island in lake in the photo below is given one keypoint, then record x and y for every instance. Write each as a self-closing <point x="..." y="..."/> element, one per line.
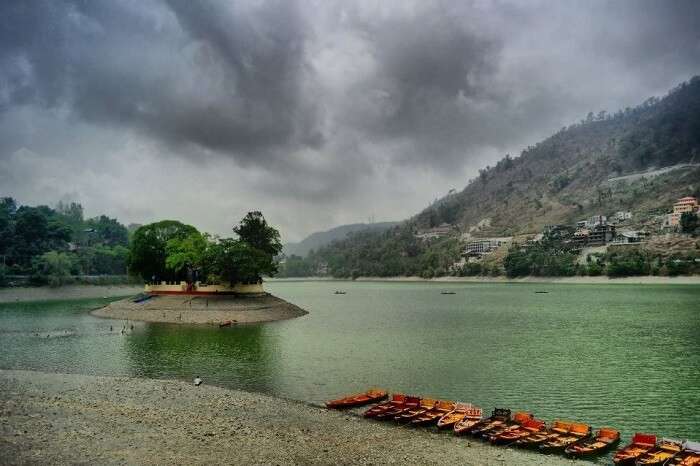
<point x="193" y="278"/>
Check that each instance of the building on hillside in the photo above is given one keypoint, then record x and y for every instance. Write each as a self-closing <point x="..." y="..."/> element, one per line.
<point x="600" y="235"/>
<point x="621" y="216"/>
<point x="436" y="232"/>
<point x="581" y="225"/>
<point x="481" y="247"/>
<point x="597" y="220"/>
<point x="682" y="205"/>
<point x="561" y="232"/>
<point x="630" y="237"/>
<point x="580" y="237"/>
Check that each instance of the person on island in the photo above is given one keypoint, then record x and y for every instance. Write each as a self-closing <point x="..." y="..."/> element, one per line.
<point x="197" y="381"/>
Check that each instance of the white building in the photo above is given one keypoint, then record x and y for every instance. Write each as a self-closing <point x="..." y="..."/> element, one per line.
<point x="483" y="246"/>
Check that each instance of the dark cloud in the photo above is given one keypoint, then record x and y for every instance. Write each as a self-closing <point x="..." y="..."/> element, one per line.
<point x="354" y="108"/>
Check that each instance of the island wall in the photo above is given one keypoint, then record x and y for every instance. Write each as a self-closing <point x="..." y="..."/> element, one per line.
<point x="201" y="289"/>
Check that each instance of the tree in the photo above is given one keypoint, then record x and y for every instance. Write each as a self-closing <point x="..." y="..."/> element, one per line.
<point x="108" y="230"/>
<point x="689" y="222"/>
<point x="255" y="231"/>
<point x="52" y="268"/>
<point x="186" y="253"/>
<point x="235" y="261"/>
<point x="148" y="254"/>
<point x="8" y="208"/>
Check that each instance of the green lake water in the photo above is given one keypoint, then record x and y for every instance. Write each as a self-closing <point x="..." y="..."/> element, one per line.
<point x="626" y="356"/>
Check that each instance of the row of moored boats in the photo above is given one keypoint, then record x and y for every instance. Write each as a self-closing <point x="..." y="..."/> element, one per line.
<point x="522" y="429"/>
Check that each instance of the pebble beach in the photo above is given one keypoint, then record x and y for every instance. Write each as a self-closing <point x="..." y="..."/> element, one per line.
<point x="79" y="419"/>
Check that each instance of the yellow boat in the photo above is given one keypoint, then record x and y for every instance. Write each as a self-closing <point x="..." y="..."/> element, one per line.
<point x="577" y="432"/>
<point x="664" y="451"/>
<point x="688" y="456"/>
<point x="454" y="416"/>
<point x="472" y="418"/>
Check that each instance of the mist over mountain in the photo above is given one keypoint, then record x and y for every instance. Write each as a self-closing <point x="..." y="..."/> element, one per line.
<point x="323" y="238"/>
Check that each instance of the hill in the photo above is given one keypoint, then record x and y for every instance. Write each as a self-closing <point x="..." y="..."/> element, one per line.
<point x="323" y="238"/>
<point x="638" y="159"/>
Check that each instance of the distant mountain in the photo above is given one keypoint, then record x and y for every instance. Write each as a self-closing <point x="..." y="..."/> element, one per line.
<point x="323" y="238"/>
<point x="638" y="159"/>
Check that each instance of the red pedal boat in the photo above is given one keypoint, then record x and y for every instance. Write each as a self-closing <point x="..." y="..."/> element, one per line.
<point x="397" y="399"/>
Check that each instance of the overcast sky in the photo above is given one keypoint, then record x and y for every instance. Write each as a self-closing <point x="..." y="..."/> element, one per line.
<point x="318" y="113"/>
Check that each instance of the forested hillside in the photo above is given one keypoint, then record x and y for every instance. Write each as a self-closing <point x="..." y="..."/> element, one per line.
<point x="568" y="176"/>
<point x="55" y="244"/>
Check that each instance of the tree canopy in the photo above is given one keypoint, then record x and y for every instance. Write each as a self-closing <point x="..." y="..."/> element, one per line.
<point x="148" y="254"/>
<point x="170" y="250"/>
<point x="255" y="231"/>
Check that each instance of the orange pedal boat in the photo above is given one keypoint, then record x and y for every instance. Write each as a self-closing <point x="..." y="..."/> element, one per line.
<point x="640" y="444"/>
<point x="433" y="415"/>
<point x="397" y="399"/>
<point x="605" y="439"/>
<point x="359" y="399"/>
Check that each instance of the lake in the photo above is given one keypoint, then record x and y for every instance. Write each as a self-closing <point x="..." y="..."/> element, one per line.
<point x="626" y="356"/>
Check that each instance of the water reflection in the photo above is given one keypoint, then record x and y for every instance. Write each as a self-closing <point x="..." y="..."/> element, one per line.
<point x="239" y="356"/>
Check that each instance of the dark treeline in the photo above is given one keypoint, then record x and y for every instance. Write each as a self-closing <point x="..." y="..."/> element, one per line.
<point x="53" y="244"/>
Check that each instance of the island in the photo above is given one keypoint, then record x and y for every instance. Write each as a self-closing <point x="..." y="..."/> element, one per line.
<point x="202" y="304"/>
<point x="195" y="278"/>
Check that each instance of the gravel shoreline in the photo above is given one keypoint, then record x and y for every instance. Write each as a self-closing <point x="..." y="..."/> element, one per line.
<point x="78" y="419"/>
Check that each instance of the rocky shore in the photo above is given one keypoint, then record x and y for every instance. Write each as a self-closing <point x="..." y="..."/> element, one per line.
<point x="202" y="309"/>
<point x="78" y="419"/>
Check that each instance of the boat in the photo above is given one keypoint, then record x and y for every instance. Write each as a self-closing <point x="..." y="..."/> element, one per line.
<point x="358" y="399"/>
<point x="448" y="292"/>
<point x="688" y="456"/>
<point x="498" y="416"/>
<point x="640" y="444"/>
<point x="433" y="415"/>
<point x="605" y="439"/>
<point x="454" y="416"/>
<point x="541" y="292"/>
<point x="498" y="426"/>
<point x="527" y="428"/>
<point x="577" y="433"/>
<point x="397" y="399"/>
<point x="472" y="417"/>
<point x="664" y="450"/>
<point x="411" y="402"/>
<point x="227" y="323"/>
<point x="339" y="292"/>
<point x="425" y="405"/>
<point x="557" y="429"/>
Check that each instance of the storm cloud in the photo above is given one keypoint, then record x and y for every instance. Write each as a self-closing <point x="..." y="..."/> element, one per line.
<point x="316" y="112"/>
